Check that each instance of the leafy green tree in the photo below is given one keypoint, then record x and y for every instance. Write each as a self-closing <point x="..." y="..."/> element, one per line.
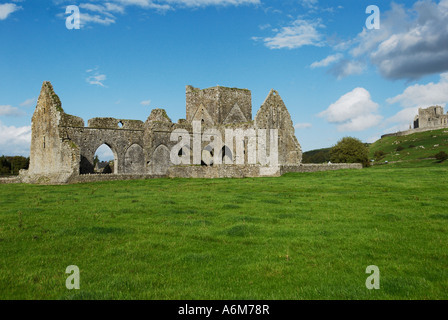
<point x="350" y="150"/>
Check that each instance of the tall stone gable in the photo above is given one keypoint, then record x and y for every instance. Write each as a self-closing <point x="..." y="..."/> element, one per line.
<point x="51" y="156"/>
<point x="273" y="114"/>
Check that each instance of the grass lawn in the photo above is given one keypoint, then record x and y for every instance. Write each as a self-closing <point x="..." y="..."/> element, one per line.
<point x="300" y="236"/>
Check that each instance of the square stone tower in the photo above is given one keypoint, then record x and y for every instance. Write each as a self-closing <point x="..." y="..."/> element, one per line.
<point x="218" y="105"/>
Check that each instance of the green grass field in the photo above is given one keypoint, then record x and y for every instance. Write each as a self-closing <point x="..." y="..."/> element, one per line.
<point x="300" y="236"/>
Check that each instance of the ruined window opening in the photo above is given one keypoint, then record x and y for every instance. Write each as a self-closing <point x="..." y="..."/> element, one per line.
<point x="44" y="142"/>
<point x="104" y="160"/>
<point x="120" y="124"/>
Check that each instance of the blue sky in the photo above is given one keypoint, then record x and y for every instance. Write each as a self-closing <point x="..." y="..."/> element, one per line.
<point x="337" y="77"/>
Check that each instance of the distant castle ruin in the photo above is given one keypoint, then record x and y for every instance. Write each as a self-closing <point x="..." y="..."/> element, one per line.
<point x="63" y="148"/>
<point x="431" y="118"/>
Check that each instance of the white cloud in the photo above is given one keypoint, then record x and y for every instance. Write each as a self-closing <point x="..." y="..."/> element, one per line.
<point x="403" y="118"/>
<point x="354" y="111"/>
<point x="106" y="9"/>
<point x="15" y="140"/>
<point x="345" y="68"/>
<point x="105" y="13"/>
<point x="361" y="122"/>
<point x="417" y="96"/>
<point x="426" y="95"/>
<point x="372" y="139"/>
<point x="327" y="61"/>
<point x="310" y="4"/>
<point x="86" y="18"/>
<point x="299" y="33"/>
<point x="29" y="102"/>
<point x="303" y="126"/>
<point x="204" y="3"/>
<point x="96" y="78"/>
<point x="264" y="26"/>
<point x="8" y="8"/>
<point x="145" y="103"/>
<point x="8" y="110"/>
<point x="411" y="43"/>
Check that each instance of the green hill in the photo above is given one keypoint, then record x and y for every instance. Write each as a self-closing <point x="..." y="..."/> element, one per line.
<point x="413" y="148"/>
<point x="316" y="156"/>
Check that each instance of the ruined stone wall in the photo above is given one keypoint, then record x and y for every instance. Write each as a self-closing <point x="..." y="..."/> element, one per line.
<point x="126" y="145"/>
<point x="412" y="131"/>
<point x="431" y="117"/>
<point x="52" y="157"/>
<point x="222" y="171"/>
<point x="252" y="171"/>
<point x="63" y="148"/>
<point x="218" y="105"/>
<point x="273" y="114"/>
<point x="86" y="178"/>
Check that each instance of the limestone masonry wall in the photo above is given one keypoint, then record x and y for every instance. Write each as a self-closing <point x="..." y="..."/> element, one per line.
<point x="63" y="148"/>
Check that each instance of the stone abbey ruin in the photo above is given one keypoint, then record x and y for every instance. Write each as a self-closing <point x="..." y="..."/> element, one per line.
<point x="63" y="148"/>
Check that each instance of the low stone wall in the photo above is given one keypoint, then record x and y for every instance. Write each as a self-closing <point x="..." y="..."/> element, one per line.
<point x="253" y="171"/>
<point x="320" y="167"/>
<point x="411" y="131"/>
<point x="223" y="171"/>
<point x="83" y="178"/>
<point x="7" y="180"/>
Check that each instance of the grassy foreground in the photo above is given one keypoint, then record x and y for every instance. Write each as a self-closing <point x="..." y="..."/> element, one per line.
<point x="301" y="236"/>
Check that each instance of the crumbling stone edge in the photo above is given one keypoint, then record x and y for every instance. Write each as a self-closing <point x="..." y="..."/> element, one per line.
<point x="203" y="172"/>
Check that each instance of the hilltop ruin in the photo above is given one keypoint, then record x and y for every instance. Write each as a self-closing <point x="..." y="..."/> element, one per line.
<point x="427" y="119"/>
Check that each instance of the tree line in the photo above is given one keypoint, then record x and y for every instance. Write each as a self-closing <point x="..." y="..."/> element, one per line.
<point x="347" y="150"/>
<point x="12" y="165"/>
